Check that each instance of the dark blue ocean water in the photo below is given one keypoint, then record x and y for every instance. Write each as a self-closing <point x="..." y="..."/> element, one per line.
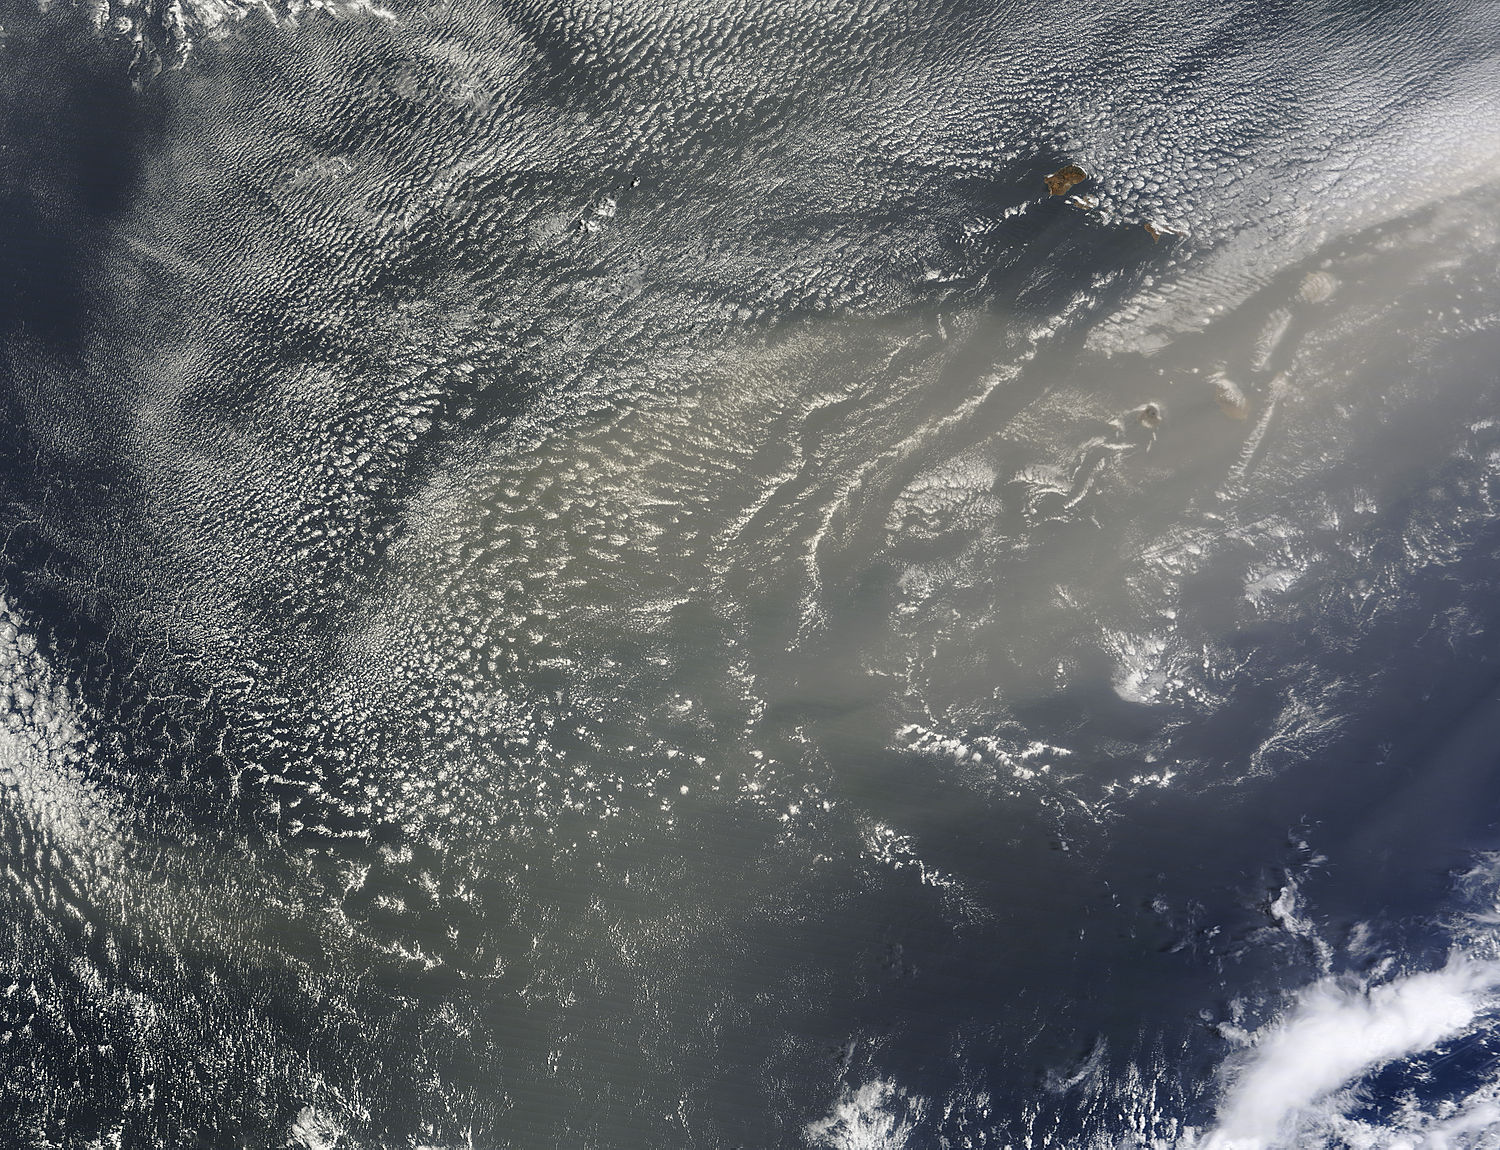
<point x="586" y="575"/>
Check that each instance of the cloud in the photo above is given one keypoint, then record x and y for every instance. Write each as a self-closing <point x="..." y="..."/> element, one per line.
<point x="878" y="1116"/>
<point x="1337" y="1033"/>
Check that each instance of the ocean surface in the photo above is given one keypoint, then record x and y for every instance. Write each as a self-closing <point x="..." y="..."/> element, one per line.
<point x="620" y="575"/>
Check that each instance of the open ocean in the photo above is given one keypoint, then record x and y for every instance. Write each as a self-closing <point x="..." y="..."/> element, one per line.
<point x="621" y="575"/>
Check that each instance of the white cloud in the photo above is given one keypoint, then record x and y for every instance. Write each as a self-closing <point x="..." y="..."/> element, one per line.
<point x="878" y="1116"/>
<point x="1334" y="1035"/>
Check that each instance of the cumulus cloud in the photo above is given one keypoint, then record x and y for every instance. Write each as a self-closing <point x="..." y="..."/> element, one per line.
<point x="1334" y="1035"/>
<point x="878" y="1116"/>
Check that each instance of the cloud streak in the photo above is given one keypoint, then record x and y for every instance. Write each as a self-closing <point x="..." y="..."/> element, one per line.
<point x="1337" y="1033"/>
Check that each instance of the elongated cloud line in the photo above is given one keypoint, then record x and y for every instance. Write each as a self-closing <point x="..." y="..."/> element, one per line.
<point x="1335" y="1035"/>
